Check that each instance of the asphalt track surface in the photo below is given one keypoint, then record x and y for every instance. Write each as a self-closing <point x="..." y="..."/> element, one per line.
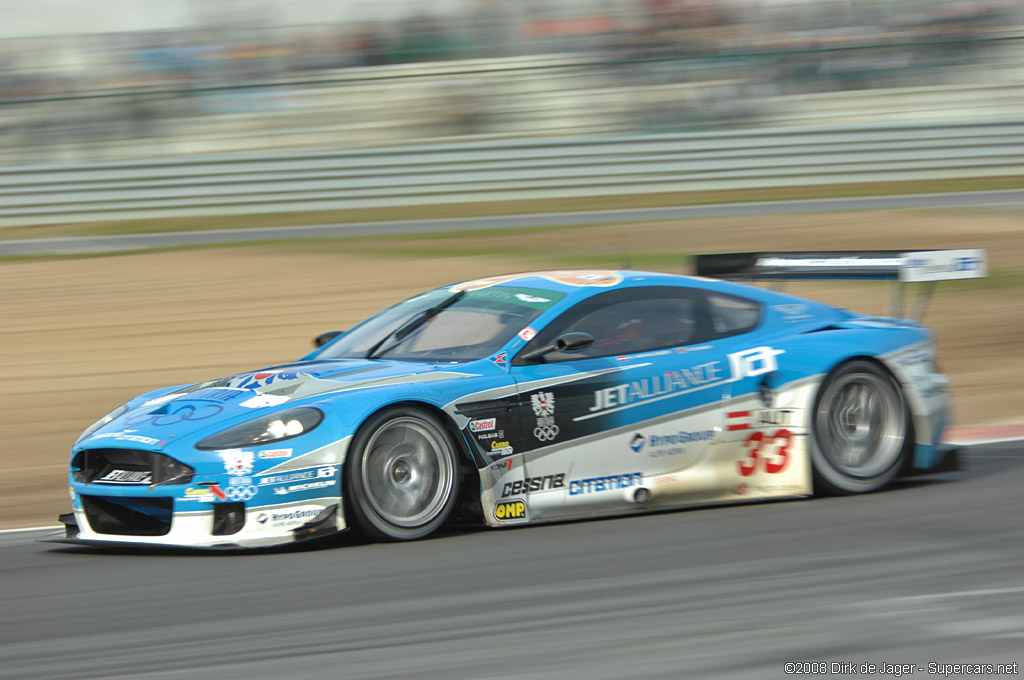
<point x="1010" y="199"/>
<point x="929" y="571"/>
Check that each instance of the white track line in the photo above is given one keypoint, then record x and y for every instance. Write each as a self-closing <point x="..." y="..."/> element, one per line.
<point x="17" y="531"/>
<point x="982" y="442"/>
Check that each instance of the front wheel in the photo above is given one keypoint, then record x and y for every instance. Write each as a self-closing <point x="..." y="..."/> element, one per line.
<point x="402" y="475"/>
<point x="860" y="430"/>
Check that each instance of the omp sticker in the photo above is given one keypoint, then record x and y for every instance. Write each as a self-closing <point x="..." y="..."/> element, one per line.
<point x="510" y="511"/>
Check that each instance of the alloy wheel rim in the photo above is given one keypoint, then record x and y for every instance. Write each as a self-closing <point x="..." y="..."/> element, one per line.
<point x="407" y="472"/>
<point x="859" y="424"/>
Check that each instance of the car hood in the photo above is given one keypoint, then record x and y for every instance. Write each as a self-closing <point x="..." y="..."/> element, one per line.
<point x="314" y="378"/>
<point x="212" y="405"/>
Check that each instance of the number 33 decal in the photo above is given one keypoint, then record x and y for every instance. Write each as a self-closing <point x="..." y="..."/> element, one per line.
<point x="771" y="452"/>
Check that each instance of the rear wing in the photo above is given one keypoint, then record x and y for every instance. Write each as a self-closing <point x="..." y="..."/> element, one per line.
<point x="899" y="267"/>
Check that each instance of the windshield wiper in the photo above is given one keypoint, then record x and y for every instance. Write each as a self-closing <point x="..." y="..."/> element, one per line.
<point x="406" y="329"/>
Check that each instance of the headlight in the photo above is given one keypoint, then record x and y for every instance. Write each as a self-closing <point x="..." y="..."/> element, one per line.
<point x="272" y="428"/>
<point x="102" y="421"/>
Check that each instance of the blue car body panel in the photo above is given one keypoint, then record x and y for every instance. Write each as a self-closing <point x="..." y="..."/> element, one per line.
<point x="549" y="441"/>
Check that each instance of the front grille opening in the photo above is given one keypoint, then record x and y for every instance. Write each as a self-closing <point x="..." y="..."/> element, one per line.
<point x="228" y="518"/>
<point x="128" y="516"/>
<point x="128" y="466"/>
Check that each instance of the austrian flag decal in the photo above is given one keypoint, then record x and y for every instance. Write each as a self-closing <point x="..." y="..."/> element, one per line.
<point x="738" y="420"/>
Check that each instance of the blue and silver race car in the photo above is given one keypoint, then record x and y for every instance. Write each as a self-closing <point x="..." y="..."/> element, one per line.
<point x="534" y="397"/>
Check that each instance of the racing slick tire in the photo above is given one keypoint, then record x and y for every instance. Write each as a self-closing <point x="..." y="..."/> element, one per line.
<point x="860" y="430"/>
<point x="402" y="475"/>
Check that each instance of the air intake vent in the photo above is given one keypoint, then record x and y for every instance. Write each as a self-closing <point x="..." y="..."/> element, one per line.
<point x="128" y="516"/>
<point x="128" y="466"/>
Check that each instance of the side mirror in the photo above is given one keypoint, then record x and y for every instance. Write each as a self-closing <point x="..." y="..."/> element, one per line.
<point x="324" y="338"/>
<point x="566" y="342"/>
<point x="573" y="342"/>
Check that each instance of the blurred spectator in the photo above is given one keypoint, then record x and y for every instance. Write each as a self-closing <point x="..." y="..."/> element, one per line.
<point x="676" y="64"/>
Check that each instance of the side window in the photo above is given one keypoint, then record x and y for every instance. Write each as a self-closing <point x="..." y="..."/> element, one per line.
<point x="626" y="322"/>
<point x="731" y="315"/>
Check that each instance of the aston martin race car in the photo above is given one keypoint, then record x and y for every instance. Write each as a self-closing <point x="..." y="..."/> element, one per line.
<point x="535" y="397"/>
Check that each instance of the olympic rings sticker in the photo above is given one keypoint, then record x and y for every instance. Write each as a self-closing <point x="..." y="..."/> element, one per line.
<point x="241" y="493"/>
<point x="545" y="433"/>
<point x="184" y="412"/>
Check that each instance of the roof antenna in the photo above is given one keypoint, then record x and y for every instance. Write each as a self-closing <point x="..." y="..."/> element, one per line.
<point x="624" y="260"/>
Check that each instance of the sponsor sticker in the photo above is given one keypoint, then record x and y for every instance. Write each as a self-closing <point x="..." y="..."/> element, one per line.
<point x="200" y="494"/>
<point x="285" y="518"/>
<point x="275" y="453"/>
<point x="325" y="472"/>
<point x="774" y="417"/>
<point x="304" y="486"/>
<point x="483" y="425"/>
<point x="585" y="277"/>
<point x="943" y="265"/>
<point x="507" y="511"/>
<point x="768" y="417"/>
<point x="253" y="381"/>
<point x="502" y="466"/>
<point x="149" y="441"/>
<point x="527" y="334"/>
<point x="531" y="298"/>
<point x="501" y="449"/>
<point x="127" y="477"/>
<point x="264" y="400"/>
<point x="125" y="435"/>
<point x="793" y="312"/>
<point x="684" y="350"/>
<point x="608" y="483"/>
<point x="533" y="484"/>
<point x="744" y="364"/>
<point x="914" y="359"/>
<point x="668" y="444"/>
<point x="221" y="394"/>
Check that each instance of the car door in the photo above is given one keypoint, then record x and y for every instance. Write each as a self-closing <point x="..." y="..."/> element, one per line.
<point x="639" y="403"/>
<point x="760" y="450"/>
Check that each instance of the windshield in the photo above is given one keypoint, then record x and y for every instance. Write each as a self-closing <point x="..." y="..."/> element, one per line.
<point x="470" y="327"/>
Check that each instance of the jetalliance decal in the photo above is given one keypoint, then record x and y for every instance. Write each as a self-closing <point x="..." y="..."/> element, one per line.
<point x="745" y="364"/>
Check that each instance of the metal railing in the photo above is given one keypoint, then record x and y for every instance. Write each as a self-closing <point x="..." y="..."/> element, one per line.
<point x="472" y="172"/>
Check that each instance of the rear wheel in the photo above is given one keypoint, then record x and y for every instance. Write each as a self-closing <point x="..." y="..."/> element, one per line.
<point x="402" y="475"/>
<point x="860" y="430"/>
